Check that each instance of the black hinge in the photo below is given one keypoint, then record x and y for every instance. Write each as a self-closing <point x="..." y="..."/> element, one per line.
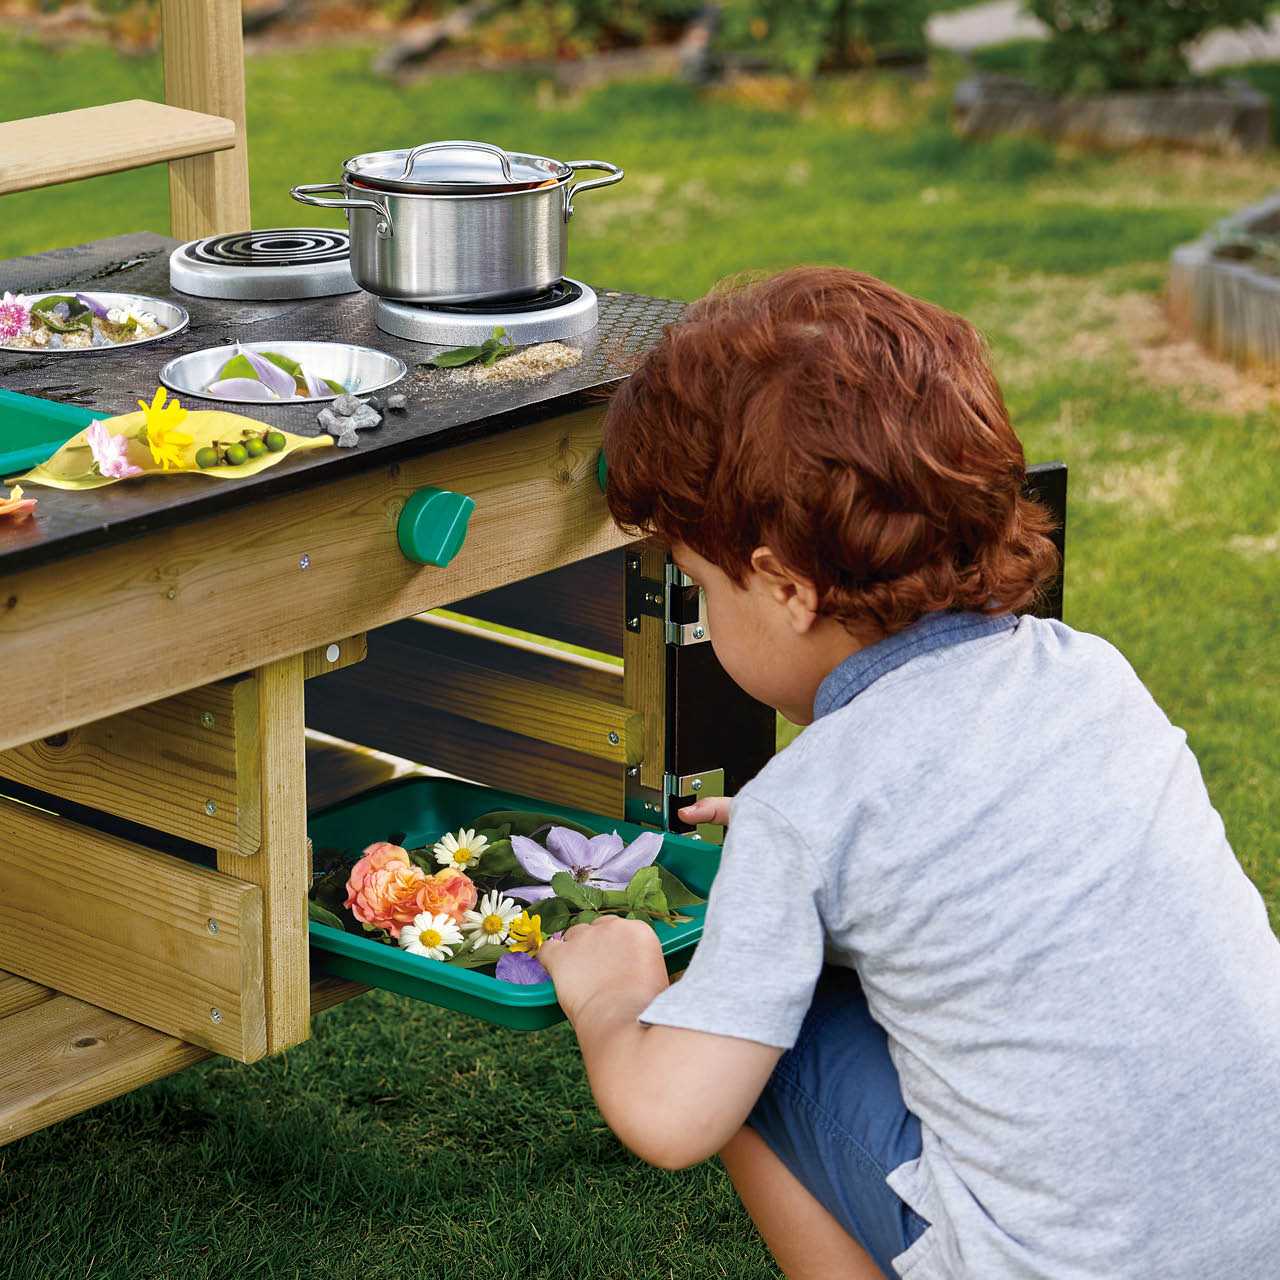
<point x="644" y="596"/>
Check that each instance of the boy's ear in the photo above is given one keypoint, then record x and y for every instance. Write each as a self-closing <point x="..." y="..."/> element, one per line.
<point x="795" y="593"/>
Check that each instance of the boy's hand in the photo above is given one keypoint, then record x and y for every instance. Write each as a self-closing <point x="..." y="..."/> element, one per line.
<point x="713" y="810"/>
<point x="617" y="960"/>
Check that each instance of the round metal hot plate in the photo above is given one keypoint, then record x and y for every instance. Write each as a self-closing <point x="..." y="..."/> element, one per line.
<point x="287" y="262"/>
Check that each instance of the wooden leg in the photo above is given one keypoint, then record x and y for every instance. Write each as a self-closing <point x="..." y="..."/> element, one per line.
<point x="279" y="868"/>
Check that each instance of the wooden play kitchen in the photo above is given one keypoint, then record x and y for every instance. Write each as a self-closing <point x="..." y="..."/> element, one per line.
<point x="189" y="661"/>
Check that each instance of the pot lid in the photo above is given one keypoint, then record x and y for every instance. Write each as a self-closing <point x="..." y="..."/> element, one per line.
<point x="455" y="167"/>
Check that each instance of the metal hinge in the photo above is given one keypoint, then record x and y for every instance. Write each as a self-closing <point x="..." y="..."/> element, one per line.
<point x="677" y="600"/>
<point x="649" y="806"/>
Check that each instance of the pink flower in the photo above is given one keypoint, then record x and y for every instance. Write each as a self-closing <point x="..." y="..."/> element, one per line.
<point x="109" y="452"/>
<point x="449" y="892"/>
<point x="15" y="317"/>
<point x="384" y="887"/>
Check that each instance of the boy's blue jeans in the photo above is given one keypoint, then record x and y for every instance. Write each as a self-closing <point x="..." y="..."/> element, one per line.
<point x="833" y="1114"/>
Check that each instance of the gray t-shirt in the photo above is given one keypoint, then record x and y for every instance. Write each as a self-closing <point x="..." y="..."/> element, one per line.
<point x="997" y="827"/>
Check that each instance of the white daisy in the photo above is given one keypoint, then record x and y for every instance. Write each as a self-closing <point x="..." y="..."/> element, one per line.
<point x="492" y="921"/>
<point x="431" y="936"/>
<point x="462" y="851"/>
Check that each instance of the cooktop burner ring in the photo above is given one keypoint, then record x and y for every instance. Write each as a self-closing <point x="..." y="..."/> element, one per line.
<point x="560" y="294"/>
<point x="278" y="263"/>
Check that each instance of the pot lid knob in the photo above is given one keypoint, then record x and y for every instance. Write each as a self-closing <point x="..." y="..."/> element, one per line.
<point x="433" y="525"/>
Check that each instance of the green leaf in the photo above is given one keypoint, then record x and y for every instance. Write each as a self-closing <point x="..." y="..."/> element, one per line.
<point x="579" y="895"/>
<point x="282" y="362"/>
<point x="79" y="317"/>
<point x="642" y="884"/>
<point x="456" y="358"/>
<point x="554" y="913"/>
<point x="322" y="915"/>
<point x="336" y="387"/>
<point x="586" y="917"/>
<point x="469" y="958"/>
<point x="614" y="898"/>
<point x="498" y="862"/>
<point x="677" y="892"/>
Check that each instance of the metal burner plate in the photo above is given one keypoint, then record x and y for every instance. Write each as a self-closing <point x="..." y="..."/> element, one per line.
<point x="456" y="327"/>
<point x="288" y="262"/>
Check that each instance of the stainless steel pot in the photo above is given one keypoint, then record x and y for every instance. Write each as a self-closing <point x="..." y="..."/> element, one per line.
<point x="448" y="235"/>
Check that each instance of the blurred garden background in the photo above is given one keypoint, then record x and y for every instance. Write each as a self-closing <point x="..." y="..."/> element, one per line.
<point x="402" y="1140"/>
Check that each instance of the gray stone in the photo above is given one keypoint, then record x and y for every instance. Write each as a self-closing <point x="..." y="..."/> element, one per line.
<point x="396" y="403"/>
<point x="346" y="405"/>
<point x="1230" y="117"/>
<point x="366" y="420"/>
<point x="374" y="402"/>
<point x="348" y="439"/>
<point x="330" y="421"/>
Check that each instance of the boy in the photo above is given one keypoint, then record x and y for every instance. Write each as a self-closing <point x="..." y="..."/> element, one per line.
<point x="1046" y="1039"/>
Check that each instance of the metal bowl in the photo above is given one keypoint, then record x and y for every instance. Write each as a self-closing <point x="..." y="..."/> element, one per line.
<point x="172" y="316"/>
<point x="360" y="369"/>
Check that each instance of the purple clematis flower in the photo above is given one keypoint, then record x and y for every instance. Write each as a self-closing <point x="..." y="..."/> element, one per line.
<point x="515" y="966"/>
<point x="603" y="862"/>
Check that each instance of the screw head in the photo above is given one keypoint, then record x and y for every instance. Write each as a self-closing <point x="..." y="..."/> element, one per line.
<point x="171" y="594"/>
<point x="215" y="1016"/>
<point x="634" y="771"/>
<point x="332" y="653"/>
<point x="633" y="622"/>
<point x="213" y="926"/>
<point x="696" y="785"/>
<point x="206" y="719"/>
<point x="613" y="738"/>
<point x="699" y="633"/>
<point x="211" y="807"/>
<point x="304" y="561"/>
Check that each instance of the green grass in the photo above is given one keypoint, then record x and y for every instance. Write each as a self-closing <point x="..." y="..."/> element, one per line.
<point x="404" y="1141"/>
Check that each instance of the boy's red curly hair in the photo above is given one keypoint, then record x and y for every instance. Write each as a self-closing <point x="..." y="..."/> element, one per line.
<point x="857" y="431"/>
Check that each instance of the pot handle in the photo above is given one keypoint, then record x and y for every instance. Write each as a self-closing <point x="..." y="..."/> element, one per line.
<point x="615" y="175"/>
<point x="306" y="195"/>
<point x="503" y="158"/>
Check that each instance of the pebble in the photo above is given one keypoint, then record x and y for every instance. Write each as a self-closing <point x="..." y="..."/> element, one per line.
<point x="374" y="402"/>
<point x="348" y="439"/>
<point x="396" y="403"/>
<point x="347" y="405"/>
<point x="330" y="421"/>
<point x="365" y="420"/>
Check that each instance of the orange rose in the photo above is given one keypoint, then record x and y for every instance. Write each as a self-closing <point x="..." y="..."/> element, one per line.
<point x="449" y="891"/>
<point x="385" y="888"/>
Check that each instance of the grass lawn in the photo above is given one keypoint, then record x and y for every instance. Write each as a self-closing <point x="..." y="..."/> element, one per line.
<point x="404" y="1141"/>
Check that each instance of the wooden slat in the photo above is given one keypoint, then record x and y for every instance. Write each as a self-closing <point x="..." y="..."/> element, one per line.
<point x="644" y="679"/>
<point x="204" y="71"/>
<point x="334" y="656"/>
<point x="42" y="151"/>
<point x="280" y="868"/>
<point x="17" y="994"/>
<point x="65" y="1056"/>
<point x="537" y="506"/>
<point x="430" y="678"/>
<point x="127" y="928"/>
<point x="338" y="770"/>
<point x="580" y="604"/>
<point x="171" y="765"/>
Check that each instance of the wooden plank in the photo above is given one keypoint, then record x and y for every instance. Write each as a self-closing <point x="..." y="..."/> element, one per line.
<point x="204" y="71"/>
<point x="334" y="656"/>
<point x="130" y="929"/>
<point x="42" y="151"/>
<point x="580" y="604"/>
<point x="280" y="867"/>
<point x="338" y="770"/>
<point x="537" y="506"/>
<point x="644" y="673"/>
<point x="428" y="677"/>
<point x="65" y="1056"/>
<point x="464" y="748"/>
<point x="171" y="765"/>
<point x="17" y="994"/>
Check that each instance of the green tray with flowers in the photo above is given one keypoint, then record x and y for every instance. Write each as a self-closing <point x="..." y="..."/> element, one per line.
<point x="444" y="891"/>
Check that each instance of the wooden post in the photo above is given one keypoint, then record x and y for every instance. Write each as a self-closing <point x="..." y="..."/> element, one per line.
<point x="644" y="689"/>
<point x="204" y="71"/>
<point x="279" y="868"/>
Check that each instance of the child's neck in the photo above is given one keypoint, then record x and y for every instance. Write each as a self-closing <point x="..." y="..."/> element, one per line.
<point x="823" y="650"/>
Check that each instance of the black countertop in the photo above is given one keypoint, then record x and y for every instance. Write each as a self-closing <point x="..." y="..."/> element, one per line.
<point x="440" y="412"/>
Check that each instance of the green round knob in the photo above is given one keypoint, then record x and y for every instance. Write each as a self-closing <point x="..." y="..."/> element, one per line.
<point x="602" y="471"/>
<point x="433" y="525"/>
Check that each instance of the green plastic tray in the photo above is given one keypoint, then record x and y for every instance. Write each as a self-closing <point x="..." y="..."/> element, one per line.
<point x="31" y="429"/>
<point x="427" y="807"/>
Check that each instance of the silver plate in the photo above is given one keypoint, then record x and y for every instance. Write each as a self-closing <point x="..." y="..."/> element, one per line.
<point x="359" y="369"/>
<point x="168" y="313"/>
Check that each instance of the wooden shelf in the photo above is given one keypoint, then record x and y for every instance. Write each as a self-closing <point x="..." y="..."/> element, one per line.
<point x="62" y="1056"/>
<point x="46" y="150"/>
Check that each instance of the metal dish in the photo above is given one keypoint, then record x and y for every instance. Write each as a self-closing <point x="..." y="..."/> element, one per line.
<point x="169" y="314"/>
<point x="360" y="369"/>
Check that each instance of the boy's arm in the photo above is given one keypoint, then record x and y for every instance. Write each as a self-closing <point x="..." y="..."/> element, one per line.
<point x="673" y="1096"/>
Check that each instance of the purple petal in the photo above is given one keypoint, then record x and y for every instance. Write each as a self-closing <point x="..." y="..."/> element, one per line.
<point x="316" y="387"/>
<point x="240" y="389"/>
<point x="535" y="859"/>
<point x="626" y="862"/>
<point x="571" y="848"/>
<point x="530" y="892"/>
<point x="272" y="375"/>
<point x="515" y="966"/>
<point x="93" y="304"/>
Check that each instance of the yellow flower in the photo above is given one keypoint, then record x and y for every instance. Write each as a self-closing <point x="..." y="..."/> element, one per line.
<point x="525" y="934"/>
<point x="163" y="439"/>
